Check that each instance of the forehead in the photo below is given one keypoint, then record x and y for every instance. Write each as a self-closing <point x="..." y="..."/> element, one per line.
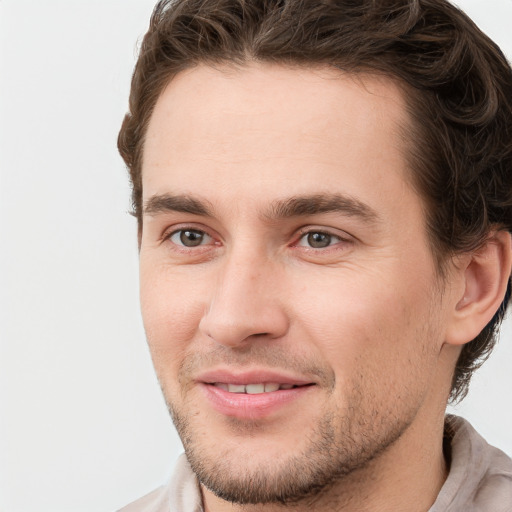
<point x="226" y="129"/>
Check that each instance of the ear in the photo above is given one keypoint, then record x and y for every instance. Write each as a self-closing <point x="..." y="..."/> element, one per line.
<point x="485" y="277"/>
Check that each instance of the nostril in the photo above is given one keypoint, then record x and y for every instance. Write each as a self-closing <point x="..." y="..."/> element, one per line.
<point x="232" y="324"/>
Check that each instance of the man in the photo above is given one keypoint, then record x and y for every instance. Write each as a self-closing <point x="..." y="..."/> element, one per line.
<point x="323" y="192"/>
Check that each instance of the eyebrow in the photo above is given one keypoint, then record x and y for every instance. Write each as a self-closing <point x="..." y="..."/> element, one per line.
<point x="176" y="203"/>
<point x="296" y="206"/>
<point x="301" y="206"/>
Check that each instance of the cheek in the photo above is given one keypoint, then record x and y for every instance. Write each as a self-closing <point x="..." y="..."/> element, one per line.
<point x="369" y="324"/>
<point x="171" y="313"/>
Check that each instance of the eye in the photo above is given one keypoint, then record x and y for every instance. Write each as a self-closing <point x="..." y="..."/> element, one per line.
<point x="318" y="240"/>
<point x="190" y="238"/>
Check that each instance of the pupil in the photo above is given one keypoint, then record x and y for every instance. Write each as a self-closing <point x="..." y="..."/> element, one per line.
<point x="319" y="240"/>
<point x="191" y="238"/>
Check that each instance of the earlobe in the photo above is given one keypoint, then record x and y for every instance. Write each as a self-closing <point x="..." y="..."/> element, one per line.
<point x="486" y="276"/>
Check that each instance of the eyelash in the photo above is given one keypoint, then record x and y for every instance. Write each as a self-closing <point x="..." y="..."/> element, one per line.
<point x="305" y="232"/>
<point x="169" y="235"/>
<point x="310" y="232"/>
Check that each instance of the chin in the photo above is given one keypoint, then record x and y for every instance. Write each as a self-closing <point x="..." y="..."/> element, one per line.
<point x="248" y="466"/>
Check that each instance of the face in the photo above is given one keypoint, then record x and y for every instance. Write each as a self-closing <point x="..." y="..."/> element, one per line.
<point x="289" y="295"/>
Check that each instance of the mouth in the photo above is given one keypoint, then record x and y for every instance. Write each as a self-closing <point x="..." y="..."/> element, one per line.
<point x="255" y="389"/>
<point x="253" y="395"/>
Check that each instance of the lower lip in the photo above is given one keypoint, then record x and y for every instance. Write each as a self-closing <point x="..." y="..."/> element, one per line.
<point x="247" y="406"/>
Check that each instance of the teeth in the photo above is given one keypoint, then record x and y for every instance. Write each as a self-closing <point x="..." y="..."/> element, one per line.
<point x="235" y="388"/>
<point x="252" y="389"/>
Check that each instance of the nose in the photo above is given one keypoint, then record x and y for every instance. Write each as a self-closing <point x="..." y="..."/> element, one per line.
<point x="246" y="302"/>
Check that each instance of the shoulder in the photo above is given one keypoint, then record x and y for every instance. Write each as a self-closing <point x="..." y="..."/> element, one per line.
<point x="181" y="494"/>
<point x="155" y="501"/>
<point x="480" y="476"/>
<point x="495" y="489"/>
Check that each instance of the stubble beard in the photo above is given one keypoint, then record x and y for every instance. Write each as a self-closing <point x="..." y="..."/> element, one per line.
<point x="338" y="447"/>
<point x="337" y="456"/>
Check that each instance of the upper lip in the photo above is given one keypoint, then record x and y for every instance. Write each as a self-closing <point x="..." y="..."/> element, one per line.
<point x="253" y="376"/>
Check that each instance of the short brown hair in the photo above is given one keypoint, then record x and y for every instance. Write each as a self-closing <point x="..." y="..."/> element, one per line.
<point x="459" y="93"/>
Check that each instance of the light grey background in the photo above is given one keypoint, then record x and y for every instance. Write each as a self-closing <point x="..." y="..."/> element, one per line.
<point x="82" y="425"/>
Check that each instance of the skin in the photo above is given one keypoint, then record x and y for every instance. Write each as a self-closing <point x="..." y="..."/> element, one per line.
<point x="364" y="318"/>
